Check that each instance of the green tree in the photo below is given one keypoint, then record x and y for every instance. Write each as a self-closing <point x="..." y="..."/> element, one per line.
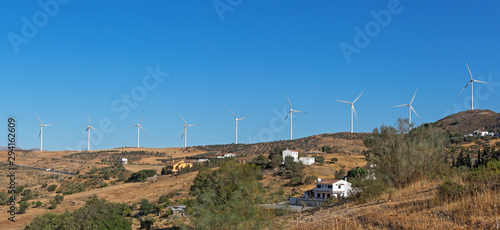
<point x="260" y="161"/>
<point x="403" y="158"/>
<point x="319" y="159"/>
<point x="95" y="214"/>
<point x="147" y="223"/>
<point x="276" y="161"/>
<point x="228" y="198"/>
<point x="23" y="205"/>
<point x="52" y="188"/>
<point x="334" y="160"/>
<point x="357" y="173"/>
<point x="38" y="204"/>
<point x="146" y="207"/>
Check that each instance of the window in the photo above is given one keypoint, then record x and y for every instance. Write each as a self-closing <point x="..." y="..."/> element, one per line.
<point x="330" y="186"/>
<point x="318" y="186"/>
<point x="340" y="186"/>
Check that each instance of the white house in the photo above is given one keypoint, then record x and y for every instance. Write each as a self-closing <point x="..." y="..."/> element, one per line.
<point x="202" y="160"/>
<point x="123" y="161"/>
<point x="307" y="160"/>
<point x="481" y="132"/>
<point x="327" y="188"/>
<point x="229" y="155"/>
<point x="292" y="153"/>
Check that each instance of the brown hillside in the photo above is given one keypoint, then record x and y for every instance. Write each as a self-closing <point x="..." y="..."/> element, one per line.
<point x="468" y="121"/>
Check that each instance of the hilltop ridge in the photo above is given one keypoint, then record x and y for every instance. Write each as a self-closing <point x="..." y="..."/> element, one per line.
<point x="468" y="121"/>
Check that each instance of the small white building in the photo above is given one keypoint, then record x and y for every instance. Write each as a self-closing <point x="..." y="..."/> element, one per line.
<point x="307" y="160"/>
<point x="202" y="160"/>
<point x="292" y="153"/>
<point x="481" y="132"/>
<point x="123" y="161"/>
<point x="327" y="188"/>
<point x="229" y="155"/>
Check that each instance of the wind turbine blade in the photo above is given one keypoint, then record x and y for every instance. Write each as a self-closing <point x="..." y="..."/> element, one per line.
<point x="299" y="111"/>
<point x="401" y="105"/>
<point x="47" y="124"/>
<point x="95" y="129"/>
<point x="39" y="133"/>
<point x="289" y="101"/>
<point x="183" y="132"/>
<point x="413" y="96"/>
<point x="481" y="81"/>
<point x="141" y="117"/>
<point x="344" y="101"/>
<point x="244" y="117"/>
<point x="193" y="125"/>
<point x="133" y="126"/>
<point x="288" y="114"/>
<point x="358" y="97"/>
<point x="143" y="131"/>
<point x="88" y="116"/>
<point x="466" y="86"/>
<point x="411" y="107"/>
<point x="183" y="119"/>
<point x="87" y="129"/>
<point x="469" y="71"/>
<point x="354" y="110"/>
<point x="232" y="113"/>
<point x="39" y="119"/>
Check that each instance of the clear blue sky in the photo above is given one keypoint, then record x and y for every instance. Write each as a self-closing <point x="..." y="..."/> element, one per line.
<point x="84" y="56"/>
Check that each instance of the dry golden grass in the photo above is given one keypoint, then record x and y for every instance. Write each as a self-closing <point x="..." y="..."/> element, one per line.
<point x="414" y="207"/>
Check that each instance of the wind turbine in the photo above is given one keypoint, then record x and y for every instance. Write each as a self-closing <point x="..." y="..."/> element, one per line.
<point x="89" y="127"/>
<point x="41" y="132"/>
<point x="290" y="113"/>
<point x="352" y="109"/>
<point x="236" y="119"/>
<point x="184" y="134"/>
<point x="471" y="82"/>
<point x="139" y="126"/>
<point x="410" y="108"/>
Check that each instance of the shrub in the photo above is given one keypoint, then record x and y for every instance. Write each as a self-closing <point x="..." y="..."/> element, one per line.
<point x="52" y="188"/>
<point x="53" y="206"/>
<point x="23" y="205"/>
<point x="319" y="159"/>
<point x="450" y="190"/>
<point x="368" y="189"/>
<point x="357" y="173"/>
<point x="404" y="157"/>
<point x="334" y="160"/>
<point x="310" y="179"/>
<point x="141" y="175"/>
<point x="147" y="223"/>
<point x="38" y="204"/>
<point x="146" y="207"/>
<point x="340" y="174"/>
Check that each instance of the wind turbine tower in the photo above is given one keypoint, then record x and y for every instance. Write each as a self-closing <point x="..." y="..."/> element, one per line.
<point x="139" y="126"/>
<point x="89" y="127"/>
<point x="471" y="82"/>
<point x="236" y="119"/>
<point x="290" y="113"/>
<point x="353" y="110"/>
<point x="184" y="133"/>
<point x="41" y="132"/>
<point x="410" y="108"/>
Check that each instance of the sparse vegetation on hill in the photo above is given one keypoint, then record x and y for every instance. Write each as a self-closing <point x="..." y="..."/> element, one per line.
<point x="468" y="121"/>
<point x="95" y="214"/>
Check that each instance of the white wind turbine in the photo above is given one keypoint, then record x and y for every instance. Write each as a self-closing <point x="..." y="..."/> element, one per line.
<point x="41" y="132"/>
<point x="410" y="108"/>
<point x="89" y="127"/>
<point x="236" y="119"/>
<point x="471" y="82"/>
<point x="139" y="126"/>
<point x="352" y="109"/>
<point x="184" y="133"/>
<point x="290" y="113"/>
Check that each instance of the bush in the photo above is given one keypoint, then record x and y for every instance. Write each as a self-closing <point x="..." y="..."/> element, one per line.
<point x="52" y="188"/>
<point x="146" y="207"/>
<point x="357" y="173"/>
<point x="38" y="204"/>
<point x="141" y="175"/>
<point x="19" y="189"/>
<point x="23" y="206"/>
<point x="368" y="189"/>
<point x="95" y="214"/>
<point x="53" y="206"/>
<point x="58" y="198"/>
<point x="403" y="158"/>
<point x="147" y="223"/>
<point x="319" y="159"/>
<point x="334" y="160"/>
<point x="450" y="190"/>
<point x="310" y="179"/>
<point x="340" y="174"/>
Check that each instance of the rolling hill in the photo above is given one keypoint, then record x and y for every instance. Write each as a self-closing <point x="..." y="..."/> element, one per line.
<point x="468" y="121"/>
